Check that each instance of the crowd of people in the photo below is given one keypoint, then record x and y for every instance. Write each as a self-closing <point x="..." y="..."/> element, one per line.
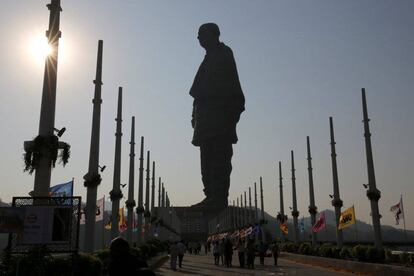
<point x="222" y="250"/>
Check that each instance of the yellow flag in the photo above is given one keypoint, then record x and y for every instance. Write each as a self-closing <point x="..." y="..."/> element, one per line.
<point x="347" y="218"/>
<point x="284" y="228"/>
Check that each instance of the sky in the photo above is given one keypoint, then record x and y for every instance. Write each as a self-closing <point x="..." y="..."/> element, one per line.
<point x="299" y="62"/>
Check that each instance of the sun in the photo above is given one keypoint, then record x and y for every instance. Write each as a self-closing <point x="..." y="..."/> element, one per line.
<point x="39" y="49"/>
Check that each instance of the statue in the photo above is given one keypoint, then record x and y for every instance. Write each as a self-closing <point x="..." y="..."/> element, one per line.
<point x="218" y="103"/>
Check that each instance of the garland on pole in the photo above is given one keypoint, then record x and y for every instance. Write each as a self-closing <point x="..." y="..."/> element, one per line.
<point x="45" y="145"/>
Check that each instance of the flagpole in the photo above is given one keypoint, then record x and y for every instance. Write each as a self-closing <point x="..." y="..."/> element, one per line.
<point x="356" y="227"/>
<point x="103" y="223"/>
<point x="402" y="209"/>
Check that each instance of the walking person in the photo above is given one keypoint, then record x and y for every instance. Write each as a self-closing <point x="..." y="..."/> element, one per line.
<point x="221" y="248"/>
<point x="241" y="249"/>
<point x="216" y="252"/>
<point x="180" y="250"/>
<point x="251" y="250"/>
<point x="275" y="252"/>
<point x="173" y="256"/>
<point x="262" y="251"/>
<point x="228" y="252"/>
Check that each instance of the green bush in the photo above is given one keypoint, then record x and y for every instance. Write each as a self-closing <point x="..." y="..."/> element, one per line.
<point x="404" y="258"/>
<point x="345" y="253"/>
<point x="325" y="250"/>
<point x="88" y="265"/>
<point x="411" y="262"/>
<point x="374" y="255"/>
<point x="359" y="252"/>
<point x="305" y="248"/>
<point x="391" y="258"/>
<point x="336" y="251"/>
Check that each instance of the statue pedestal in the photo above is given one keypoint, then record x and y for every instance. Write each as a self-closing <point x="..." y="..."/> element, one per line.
<point x="194" y="222"/>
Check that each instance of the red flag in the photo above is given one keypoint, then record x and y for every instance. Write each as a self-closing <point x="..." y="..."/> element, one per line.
<point x="398" y="211"/>
<point x="320" y="224"/>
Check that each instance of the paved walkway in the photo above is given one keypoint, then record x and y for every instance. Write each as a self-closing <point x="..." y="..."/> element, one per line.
<point x="204" y="265"/>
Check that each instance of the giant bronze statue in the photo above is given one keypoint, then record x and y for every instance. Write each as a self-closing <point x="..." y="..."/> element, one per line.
<point x="218" y="103"/>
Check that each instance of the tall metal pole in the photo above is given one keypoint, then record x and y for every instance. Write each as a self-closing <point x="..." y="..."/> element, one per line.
<point x="147" y="197"/>
<point x="48" y="105"/>
<point x="93" y="178"/>
<point x="312" y="207"/>
<point x="159" y="191"/>
<point x="261" y="200"/>
<point x="241" y="210"/>
<point x="246" y="214"/>
<point x="255" y="204"/>
<point x="336" y="202"/>
<point x="116" y="193"/>
<point x="295" y="212"/>
<point x="373" y="193"/>
<point x="282" y="207"/>
<point x="250" y="205"/>
<point x="238" y="223"/>
<point x="130" y="203"/>
<point x="153" y="187"/>
<point x="140" y="207"/>
<point x="163" y="196"/>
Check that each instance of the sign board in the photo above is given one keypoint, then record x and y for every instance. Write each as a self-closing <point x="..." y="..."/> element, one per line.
<point x="11" y="219"/>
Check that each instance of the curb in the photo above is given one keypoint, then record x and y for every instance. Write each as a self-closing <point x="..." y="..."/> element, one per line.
<point x="350" y="266"/>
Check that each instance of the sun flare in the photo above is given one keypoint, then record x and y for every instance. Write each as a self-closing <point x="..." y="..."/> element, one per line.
<point x="40" y="49"/>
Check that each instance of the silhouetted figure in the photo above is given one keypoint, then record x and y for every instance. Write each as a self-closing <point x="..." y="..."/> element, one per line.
<point x="216" y="252"/>
<point x="121" y="261"/>
<point x="250" y="250"/>
<point x="262" y="252"/>
<point x="218" y="103"/>
<point x="173" y="256"/>
<point x="275" y="252"/>
<point x="228" y="252"/>
<point x="181" y="250"/>
<point x="241" y="249"/>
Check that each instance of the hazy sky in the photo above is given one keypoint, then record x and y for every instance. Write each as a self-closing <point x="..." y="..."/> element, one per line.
<point x="299" y="63"/>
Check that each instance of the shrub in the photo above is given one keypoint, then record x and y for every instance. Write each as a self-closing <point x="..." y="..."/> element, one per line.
<point x="325" y="250"/>
<point x="374" y="255"/>
<point x="404" y="258"/>
<point x="288" y="247"/>
<point x="411" y="262"/>
<point x="336" y="252"/>
<point x="391" y="258"/>
<point x="88" y="265"/>
<point x="359" y="252"/>
<point x="305" y="248"/>
<point x="345" y="253"/>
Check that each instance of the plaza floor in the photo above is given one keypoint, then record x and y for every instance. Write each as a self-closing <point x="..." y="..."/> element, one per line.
<point x="204" y="265"/>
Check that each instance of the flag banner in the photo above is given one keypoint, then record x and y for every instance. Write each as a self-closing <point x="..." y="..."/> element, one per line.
<point x="122" y="221"/>
<point x="347" y="218"/>
<point x="302" y="225"/>
<point x="100" y="205"/>
<point x="320" y="224"/>
<point x="108" y="225"/>
<point x="64" y="189"/>
<point x="248" y="231"/>
<point x="284" y="228"/>
<point x="398" y="212"/>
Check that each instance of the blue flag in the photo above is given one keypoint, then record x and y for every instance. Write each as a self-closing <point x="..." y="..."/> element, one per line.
<point x="64" y="189"/>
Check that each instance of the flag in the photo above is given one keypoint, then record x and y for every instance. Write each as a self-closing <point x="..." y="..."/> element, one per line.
<point x="108" y="225"/>
<point x="397" y="209"/>
<point x="64" y="189"/>
<point x="347" y="218"/>
<point x="100" y="208"/>
<point x="122" y="221"/>
<point x="284" y="228"/>
<point x="320" y="224"/>
<point x="302" y="225"/>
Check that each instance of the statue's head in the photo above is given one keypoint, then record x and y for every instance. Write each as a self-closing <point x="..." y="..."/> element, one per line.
<point x="208" y="35"/>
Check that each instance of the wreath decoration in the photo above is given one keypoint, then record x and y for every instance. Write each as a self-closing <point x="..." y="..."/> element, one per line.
<point x="45" y="145"/>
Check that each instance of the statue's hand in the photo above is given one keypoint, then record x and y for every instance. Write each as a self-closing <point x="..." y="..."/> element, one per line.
<point x="192" y="123"/>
